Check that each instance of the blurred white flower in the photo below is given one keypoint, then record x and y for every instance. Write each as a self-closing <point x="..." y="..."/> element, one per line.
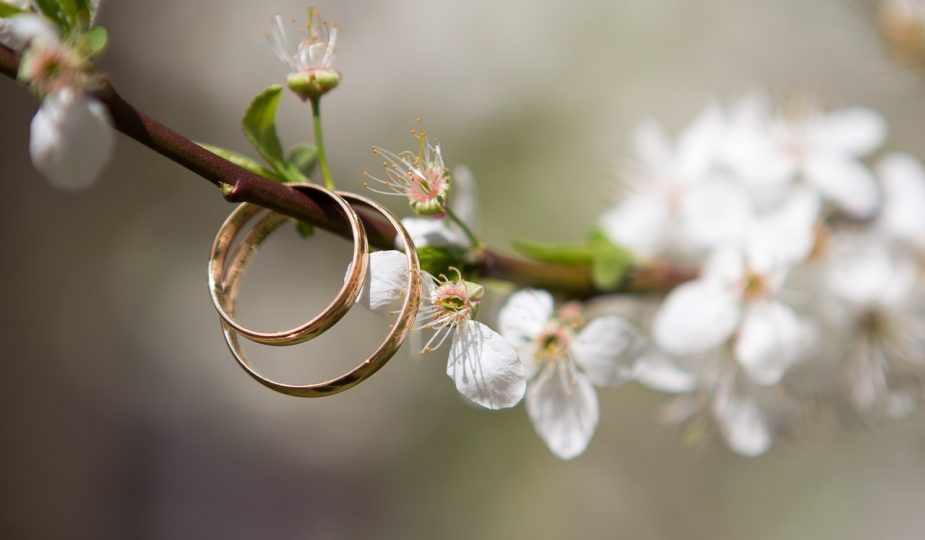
<point x="562" y="363"/>
<point x="484" y="367"/>
<point x="737" y="297"/>
<point x="711" y="390"/>
<point x="675" y="196"/>
<point x="823" y="150"/>
<point x="884" y="351"/>
<point x="903" y="215"/>
<point x="70" y="138"/>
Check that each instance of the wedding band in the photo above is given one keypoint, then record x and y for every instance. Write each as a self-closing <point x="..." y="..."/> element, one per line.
<point x="338" y="307"/>
<point x="398" y="330"/>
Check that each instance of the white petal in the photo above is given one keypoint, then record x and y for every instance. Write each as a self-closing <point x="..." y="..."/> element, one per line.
<point x="386" y="283"/>
<point x="639" y="223"/>
<point x="564" y="413"/>
<point x="695" y="317"/>
<point x="606" y="349"/>
<point x="524" y="314"/>
<point x="659" y="372"/>
<point x="742" y="423"/>
<point x="726" y="266"/>
<point x="903" y="214"/>
<point x="464" y="198"/>
<point x="700" y="143"/>
<point x="845" y="181"/>
<point x="70" y="139"/>
<point x="432" y="232"/>
<point x="717" y="214"/>
<point x="857" y="131"/>
<point x="485" y="367"/>
<point x="769" y="341"/>
<point x="25" y="28"/>
<point x="786" y="235"/>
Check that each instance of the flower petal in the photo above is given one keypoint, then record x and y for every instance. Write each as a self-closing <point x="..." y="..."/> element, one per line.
<point x="485" y="367"/>
<point x="716" y="214"/>
<point x="640" y="223"/>
<point x="659" y="372"/>
<point x="845" y="181"/>
<point x="70" y="139"/>
<point x="700" y="143"/>
<point x="695" y="317"/>
<point x="904" y="198"/>
<point x="386" y="283"/>
<point x="564" y="414"/>
<point x="606" y="349"/>
<point x="25" y="28"/>
<point x="465" y="197"/>
<point x="432" y="232"/>
<point x="769" y="341"/>
<point x="524" y="315"/>
<point x="741" y="422"/>
<point x="857" y="131"/>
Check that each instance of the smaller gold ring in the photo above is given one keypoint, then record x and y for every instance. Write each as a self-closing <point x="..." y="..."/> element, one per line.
<point x="393" y="340"/>
<point x="338" y="307"/>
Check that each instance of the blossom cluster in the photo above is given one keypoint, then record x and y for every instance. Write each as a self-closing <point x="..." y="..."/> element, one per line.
<point x="808" y="286"/>
<point x="810" y="266"/>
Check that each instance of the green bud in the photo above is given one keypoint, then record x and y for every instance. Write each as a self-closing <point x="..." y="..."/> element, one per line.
<point x="312" y="84"/>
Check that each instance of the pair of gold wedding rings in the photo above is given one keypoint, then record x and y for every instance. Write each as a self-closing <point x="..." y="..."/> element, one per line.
<point x="227" y="267"/>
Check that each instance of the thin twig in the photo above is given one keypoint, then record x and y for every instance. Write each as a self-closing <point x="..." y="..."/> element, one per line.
<point x="240" y="185"/>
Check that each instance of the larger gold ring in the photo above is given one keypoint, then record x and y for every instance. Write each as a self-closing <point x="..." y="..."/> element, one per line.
<point x="338" y="307"/>
<point x="393" y="340"/>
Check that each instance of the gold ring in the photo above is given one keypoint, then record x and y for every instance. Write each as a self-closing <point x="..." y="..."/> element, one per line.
<point x="338" y="307"/>
<point x="393" y="341"/>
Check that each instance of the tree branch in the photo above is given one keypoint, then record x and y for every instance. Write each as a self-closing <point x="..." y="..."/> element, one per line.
<point x="240" y="185"/>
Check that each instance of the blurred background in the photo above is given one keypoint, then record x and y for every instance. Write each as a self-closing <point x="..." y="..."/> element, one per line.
<point x="124" y="416"/>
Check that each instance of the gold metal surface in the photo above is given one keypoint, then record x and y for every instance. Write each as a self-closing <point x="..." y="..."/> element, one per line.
<point x="338" y="307"/>
<point x="398" y="332"/>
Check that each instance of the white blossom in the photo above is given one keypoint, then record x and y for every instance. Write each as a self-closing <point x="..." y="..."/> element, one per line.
<point x="70" y="139"/>
<point x="563" y="363"/>
<point x="821" y="150"/>
<point x="307" y="51"/>
<point x="675" y="197"/>
<point x="482" y="364"/>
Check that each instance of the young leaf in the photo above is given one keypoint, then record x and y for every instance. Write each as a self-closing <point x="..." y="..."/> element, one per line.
<point x="554" y="253"/>
<point x="305" y="230"/>
<point x="244" y="162"/>
<point x="304" y="158"/>
<point x="55" y="11"/>
<point x="7" y="10"/>
<point x="609" y="262"/>
<point x="259" y="125"/>
<point x="95" y="39"/>
<point x="438" y="260"/>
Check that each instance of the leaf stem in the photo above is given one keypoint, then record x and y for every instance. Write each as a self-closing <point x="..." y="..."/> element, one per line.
<point x="319" y="142"/>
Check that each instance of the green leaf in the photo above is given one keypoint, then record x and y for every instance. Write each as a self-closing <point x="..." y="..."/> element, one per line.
<point x="609" y="262"/>
<point x="555" y="253"/>
<point x="244" y="162"/>
<point x="7" y="11"/>
<point x="305" y="230"/>
<point x="259" y="125"/>
<point x="95" y="39"/>
<point x="437" y="260"/>
<point x="304" y="158"/>
<point x="55" y="11"/>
